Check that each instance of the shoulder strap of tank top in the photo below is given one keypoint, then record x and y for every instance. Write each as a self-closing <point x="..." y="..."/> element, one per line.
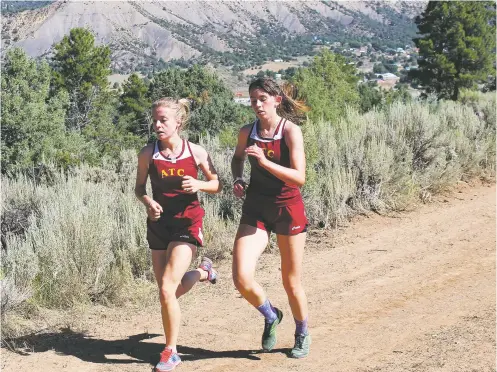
<point x="154" y="151"/>
<point x="278" y="128"/>
<point x="191" y="153"/>
<point x="282" y="126"/>
<point x="254" y="128"/>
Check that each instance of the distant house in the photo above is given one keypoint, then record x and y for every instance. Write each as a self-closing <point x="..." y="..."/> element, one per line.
<point x="242" y="100"/>
<point x="387" y="76"/>
<point x="277" y="76"/>
<point x="278" y="60"/>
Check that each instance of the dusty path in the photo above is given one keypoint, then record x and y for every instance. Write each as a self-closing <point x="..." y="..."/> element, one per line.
<point x="414" y="293"/>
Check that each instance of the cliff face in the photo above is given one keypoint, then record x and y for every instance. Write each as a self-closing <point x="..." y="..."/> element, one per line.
<point x="185" y="29"/>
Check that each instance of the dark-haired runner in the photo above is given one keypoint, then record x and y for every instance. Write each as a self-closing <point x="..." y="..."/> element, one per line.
<point x="275" y="149"/>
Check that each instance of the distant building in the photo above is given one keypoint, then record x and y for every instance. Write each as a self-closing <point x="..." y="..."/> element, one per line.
<point x="242" y="100"/>
<point x="387" y="76"/>
<point x="278" y="60"/>
<point x="277" y="76"/>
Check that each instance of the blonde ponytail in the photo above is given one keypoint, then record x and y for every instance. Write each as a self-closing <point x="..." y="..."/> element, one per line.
<point x="182" y="107"/>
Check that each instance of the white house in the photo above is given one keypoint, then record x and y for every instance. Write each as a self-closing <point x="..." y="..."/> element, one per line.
<point x="387" y="76"/>
<point x="243" y="101"/>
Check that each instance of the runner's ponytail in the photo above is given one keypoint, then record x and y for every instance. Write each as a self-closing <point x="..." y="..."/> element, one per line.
<point x="291" y="108"/>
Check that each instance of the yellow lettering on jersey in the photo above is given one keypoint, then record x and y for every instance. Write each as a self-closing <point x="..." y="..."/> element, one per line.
<point x="173" y="172"/>
<point x="270" y="154"/>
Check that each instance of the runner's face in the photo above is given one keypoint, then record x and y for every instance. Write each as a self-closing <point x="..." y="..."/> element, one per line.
<point x="264" y="104"/>
<point x="164" y="122"/>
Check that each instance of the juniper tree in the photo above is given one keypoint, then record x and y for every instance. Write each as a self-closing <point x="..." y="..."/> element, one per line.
<point x="456" y="46"/>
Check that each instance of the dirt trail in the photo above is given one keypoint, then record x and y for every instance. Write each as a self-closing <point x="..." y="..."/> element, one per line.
<point x="413" y="293"/>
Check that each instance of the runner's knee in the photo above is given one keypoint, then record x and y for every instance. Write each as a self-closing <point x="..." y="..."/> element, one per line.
<point x="242" y="281"/>
<point x="292" y="285"/>
<point x="167" y="292"/>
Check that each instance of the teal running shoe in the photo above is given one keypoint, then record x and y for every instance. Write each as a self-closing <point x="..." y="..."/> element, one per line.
<point x="269" y="335"/>
<point x="301" y="347"/>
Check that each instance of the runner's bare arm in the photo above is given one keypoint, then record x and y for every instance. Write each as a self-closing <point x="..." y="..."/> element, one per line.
<point x="154" y="209"/>
<point x="212" y="185"/>
<point x="142" y="175"/>
<point x="239" y="155"/>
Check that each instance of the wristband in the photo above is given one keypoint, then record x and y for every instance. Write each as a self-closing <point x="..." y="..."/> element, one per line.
<point x="238" y="179"/>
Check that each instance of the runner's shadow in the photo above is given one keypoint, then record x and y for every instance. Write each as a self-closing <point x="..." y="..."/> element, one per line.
<point x="190" y="353"/>
<point x="89" y="349"/>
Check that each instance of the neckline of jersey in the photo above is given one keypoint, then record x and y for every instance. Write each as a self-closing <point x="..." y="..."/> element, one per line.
<point x="175" y="157"/>
<point x="267" y="138"/>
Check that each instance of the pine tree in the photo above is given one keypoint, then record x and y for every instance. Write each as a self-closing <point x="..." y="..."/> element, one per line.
<point x="78" y="63"/>
<point x="80" y="68"/>
<point x="456" y="46"/>
<point x="135" y="105"/>
<point x="33" y="131"/>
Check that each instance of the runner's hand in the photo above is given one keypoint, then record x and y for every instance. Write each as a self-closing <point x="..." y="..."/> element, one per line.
<point x="154" y="210"/>
<point x="239" y="188"/>
<point x="190" y="184"/>
<point x="257" y="153"/>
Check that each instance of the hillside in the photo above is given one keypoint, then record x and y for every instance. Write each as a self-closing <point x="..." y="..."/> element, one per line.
<point x="239" y="33"/>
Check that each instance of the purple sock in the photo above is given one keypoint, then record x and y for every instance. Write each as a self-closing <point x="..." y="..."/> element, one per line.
<point x="268" y="311"/>
<point x="301" y="327"/>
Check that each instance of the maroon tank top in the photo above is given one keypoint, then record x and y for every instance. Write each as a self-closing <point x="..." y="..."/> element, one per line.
<point x="166" y="175"/>
<point x="263" y="185"/>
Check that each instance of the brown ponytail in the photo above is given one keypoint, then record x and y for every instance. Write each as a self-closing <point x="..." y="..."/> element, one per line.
<point x="291" y="108"/>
